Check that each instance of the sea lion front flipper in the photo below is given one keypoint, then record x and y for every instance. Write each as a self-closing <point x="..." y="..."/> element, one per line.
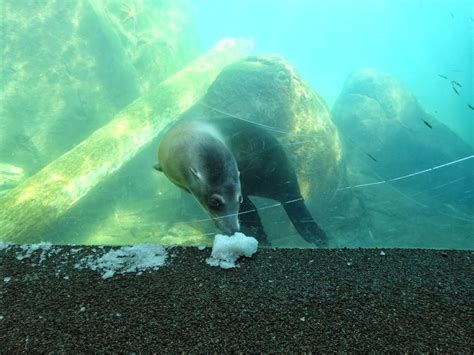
<point x="250" y="223"/>
<point x="304" y="222"/>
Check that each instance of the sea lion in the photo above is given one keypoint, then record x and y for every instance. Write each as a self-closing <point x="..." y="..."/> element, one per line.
<point x="223" y="161"/>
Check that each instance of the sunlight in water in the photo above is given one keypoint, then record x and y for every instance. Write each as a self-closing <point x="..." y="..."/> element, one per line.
<point x="351" y="112"/>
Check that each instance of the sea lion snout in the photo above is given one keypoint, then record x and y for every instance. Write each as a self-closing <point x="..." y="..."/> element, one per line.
<point x="224" y="210"/>
<point x="228" y="224"/>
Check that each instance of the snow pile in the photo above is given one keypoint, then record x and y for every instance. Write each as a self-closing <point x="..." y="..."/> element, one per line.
<point x="136" y="258"/>
<point x="226" y="250"/>
<point x="4" y="245"/>
<point x="27" y="251"/>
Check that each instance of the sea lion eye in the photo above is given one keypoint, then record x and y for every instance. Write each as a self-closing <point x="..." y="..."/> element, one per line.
<point x="214" y="202"/>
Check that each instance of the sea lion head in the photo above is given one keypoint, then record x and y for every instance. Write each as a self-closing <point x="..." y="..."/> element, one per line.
<point x="195" y="157"/>
<point x="217" y="188"/>
<point x="223" y="206"/>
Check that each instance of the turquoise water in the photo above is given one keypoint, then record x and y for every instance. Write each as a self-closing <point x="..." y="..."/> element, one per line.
<point x="413" y="40"/>
<point x="371" y="101"/>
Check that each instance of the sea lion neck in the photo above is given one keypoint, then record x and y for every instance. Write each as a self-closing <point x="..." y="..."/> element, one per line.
<point x="215" y="161"/>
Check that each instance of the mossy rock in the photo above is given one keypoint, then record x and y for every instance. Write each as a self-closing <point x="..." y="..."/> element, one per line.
<point x="159" y="37"/>
<point x="269" y="91"/>
<point x="69" y="66"/>
<point x="391" y="135"/>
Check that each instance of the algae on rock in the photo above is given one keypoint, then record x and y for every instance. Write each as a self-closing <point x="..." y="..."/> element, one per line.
<point x="386" y="130"/>
<point x="391" y="145"/>
<point x="69" y="66"/>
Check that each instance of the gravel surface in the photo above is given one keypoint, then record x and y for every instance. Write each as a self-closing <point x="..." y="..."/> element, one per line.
<point x="278" y="300"/>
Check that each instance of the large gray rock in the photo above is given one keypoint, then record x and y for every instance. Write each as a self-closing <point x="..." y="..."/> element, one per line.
<point x="390" y="149"/>
<point x="387" y="134"/>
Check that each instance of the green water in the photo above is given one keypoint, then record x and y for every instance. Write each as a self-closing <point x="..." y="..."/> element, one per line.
<point x="372" y="102"/>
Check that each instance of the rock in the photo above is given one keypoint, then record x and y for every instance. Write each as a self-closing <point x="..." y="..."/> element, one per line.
<point x="69" y="66"/>
<point x="386" y="134"/>
<point x="269" y="91"/>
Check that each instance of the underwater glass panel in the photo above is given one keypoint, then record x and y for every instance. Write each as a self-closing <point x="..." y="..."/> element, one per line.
<point x="303" y="123"/>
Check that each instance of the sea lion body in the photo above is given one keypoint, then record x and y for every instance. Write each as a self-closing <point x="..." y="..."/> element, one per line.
<point x="230" y="159"/>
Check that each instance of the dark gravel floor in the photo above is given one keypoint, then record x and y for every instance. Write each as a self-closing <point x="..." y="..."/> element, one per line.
<point x="279" y="300"/>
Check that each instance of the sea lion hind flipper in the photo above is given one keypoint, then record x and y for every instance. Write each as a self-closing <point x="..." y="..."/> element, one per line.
<point x="250" y="222"/>
<point x="304" y="223"/>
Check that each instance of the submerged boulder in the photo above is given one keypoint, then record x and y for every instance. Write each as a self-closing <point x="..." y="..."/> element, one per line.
<point x="268" y="90"/>
<point x="387" y="134"/>
<point x="69" y="66"/>
<point x="411" y="175"/>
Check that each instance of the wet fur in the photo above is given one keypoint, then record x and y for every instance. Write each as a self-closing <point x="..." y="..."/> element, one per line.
<point x="265" y="170"/>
